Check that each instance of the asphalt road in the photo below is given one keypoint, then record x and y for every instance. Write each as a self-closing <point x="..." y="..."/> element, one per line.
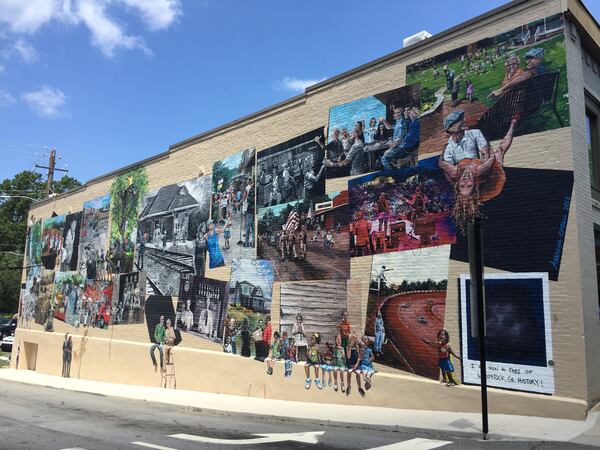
<point x="35" y="417"/>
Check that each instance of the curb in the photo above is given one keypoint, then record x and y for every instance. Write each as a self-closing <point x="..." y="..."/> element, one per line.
<point x="425" y="432"/>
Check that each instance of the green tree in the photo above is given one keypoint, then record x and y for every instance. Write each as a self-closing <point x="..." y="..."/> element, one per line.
<point x="126" y="195"/>
<point x="13" y="228"/>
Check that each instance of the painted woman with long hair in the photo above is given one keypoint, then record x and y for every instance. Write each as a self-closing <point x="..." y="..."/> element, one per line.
<point x="476" y="180"/>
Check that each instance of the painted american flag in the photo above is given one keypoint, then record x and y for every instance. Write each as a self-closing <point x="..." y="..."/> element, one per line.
<point x="292" y="221"/>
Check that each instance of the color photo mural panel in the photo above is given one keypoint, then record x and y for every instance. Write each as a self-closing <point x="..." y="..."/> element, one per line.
<point x="517" y="75"/>
<point x="126" y="195"/>
<point x="378" y="132"/>
<point x="52" y="239"/>
<point x="248" y="319"/>
<point x="401" y="210"/>
<point x="307" y="240"/>
<point x="233" y="205"/>
<point x="406" y="309"/>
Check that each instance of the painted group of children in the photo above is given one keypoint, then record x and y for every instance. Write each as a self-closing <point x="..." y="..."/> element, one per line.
<point x="348" y="355"/>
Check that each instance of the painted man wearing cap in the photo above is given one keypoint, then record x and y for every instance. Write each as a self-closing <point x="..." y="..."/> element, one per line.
<point x="533" y="60"/>
<point x="463" y="143"/>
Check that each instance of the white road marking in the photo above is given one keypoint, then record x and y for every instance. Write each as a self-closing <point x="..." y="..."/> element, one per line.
<point x="414" y="444"/>
<point x="157" y="447"/>
<point x="308" y="438"/>
<point x="73" y="448"/>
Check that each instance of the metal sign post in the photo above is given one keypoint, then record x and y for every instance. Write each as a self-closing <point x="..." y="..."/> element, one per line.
<point x="477" y="299"/>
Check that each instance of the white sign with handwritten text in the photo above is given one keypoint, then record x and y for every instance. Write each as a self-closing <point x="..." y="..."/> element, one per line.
<point x="518" y="331"/>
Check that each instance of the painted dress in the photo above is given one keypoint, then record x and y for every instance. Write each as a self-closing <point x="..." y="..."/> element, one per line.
<point x="214" y="251"/>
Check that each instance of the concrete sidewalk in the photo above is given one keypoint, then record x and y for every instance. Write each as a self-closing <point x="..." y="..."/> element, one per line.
<point x="502" y="426"/>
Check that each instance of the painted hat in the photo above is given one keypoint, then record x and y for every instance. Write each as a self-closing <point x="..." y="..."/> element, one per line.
<point x="535" y="53"/>
<point x="453" y="117"/>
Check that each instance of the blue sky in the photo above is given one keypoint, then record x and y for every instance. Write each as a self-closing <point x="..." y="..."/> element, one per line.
<point x="111" y="82"/>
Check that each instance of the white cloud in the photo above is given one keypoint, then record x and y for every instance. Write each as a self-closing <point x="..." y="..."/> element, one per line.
<point x="108" y="34"/>
<point x="27" y="16"/>
<point x="26" y="51"/>
<point x="157" y="14"/>
<point x="46" y="102"/>
<point x="6" y="99"/>
<point x="296" y="84"/>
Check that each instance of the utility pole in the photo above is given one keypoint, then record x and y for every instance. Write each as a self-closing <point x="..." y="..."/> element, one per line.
<point x="478" y="320"/>
<point x="51" y="169"/>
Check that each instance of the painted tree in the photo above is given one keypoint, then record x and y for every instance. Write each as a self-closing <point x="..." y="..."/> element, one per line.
<point x="126" y="195"/>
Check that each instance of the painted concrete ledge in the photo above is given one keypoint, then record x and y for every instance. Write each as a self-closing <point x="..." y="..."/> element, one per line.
<point x="127" y="362"/>
<point x="502" y="426"/>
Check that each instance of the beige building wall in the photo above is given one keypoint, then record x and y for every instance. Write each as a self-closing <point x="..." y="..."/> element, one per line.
<point x="121" y="354"/>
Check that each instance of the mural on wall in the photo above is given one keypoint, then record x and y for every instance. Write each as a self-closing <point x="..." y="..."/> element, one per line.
<point x="44" y="314"/>
<point x="406" y="307"/>
<point x="291" y="171"/>
<point x="399" y="210"/>
<point x="202" y="307"/>
<point x="518" y="332"/>
<point x="126" y="195"/>
<point x="307" y="239"/>
<point x="129" y="296"/>
<point x="93" y="238"/>
<point x="233" y="205"/>
<point x="248" y="308"/>
<point x="312" y="307"/>
<point x="173" y="233"/>
<point x="160" y="320"/>
<point x="67" y="297"/>
<point x="34" y="243"/>
<point x="96" y="309"/>
<point x="378" y="132"/>
<point x="531" y="214"/>
<point x="29" y="295"/>
<point x="52" y="239"/>
<point x="464" y="107"/>
<point x="71" y="234"/>
<point x="519" y="75"/>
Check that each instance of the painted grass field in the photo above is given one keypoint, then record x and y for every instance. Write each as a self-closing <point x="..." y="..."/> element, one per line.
<point x="486" y="82"/>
